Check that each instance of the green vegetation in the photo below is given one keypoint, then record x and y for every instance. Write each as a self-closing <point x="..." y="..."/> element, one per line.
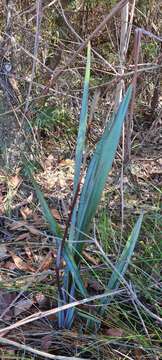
<point x="84" y="209"/>
<point x="49" y="118"/>
<point x="80" y="180"/>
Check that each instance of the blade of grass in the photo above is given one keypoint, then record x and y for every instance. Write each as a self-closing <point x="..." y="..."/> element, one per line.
<point x="123" y="262"/>
<point x="82" y="123"/>
<point x="81" y="139"/>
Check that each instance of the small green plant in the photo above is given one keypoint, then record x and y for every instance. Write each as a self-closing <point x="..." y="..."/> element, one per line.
<point x="50" y="117"/>
<point x="70" y="244"/>
<point x="149" y="50"/>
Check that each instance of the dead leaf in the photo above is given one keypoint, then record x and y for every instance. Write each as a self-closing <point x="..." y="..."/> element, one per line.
<point x="9" y="265"/>
<point x="91" y="259"/>
<point x="47" y="262"/>
<point x="22" y="305"/>
<point x="20" y="224"/>
<point x="33" y="230"/>
<point x="16" y="225"/>
<point x="56" y="214"/>
<point x="15" y="181"/>
<point x="26" y="212"/>
<point x="30" y="198"/>
<point x="38" y="220"/>
<point x="6" y="298"/>
<point x="67" y="162"/>
<point x="114" y="332"/>
<point x="49" y="162"/>
<point x="42" y="301"/>
<point x="3" y="252"/>
<point x="46" y="342"/>
<point x="21" y="264"/>
<point x="14" y="83"/>
<point x="2" y="191"/>
<point x="1" y="199"/>
<point x="23" y="236"/>
<point x="95" y="285"/>
<point x="138" y="354"/>
<point x="23" y="202"/>
<point x="29" y="253"/>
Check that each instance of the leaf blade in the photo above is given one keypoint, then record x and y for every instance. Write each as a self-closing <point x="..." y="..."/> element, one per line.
<point x="123" y="262"/>
<point x="82" y="122"/>
<point x="99" y="167"/>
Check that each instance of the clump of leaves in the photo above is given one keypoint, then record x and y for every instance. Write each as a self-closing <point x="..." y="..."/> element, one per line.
<point x="70" y="243"/>
<point x="50" y="117"/>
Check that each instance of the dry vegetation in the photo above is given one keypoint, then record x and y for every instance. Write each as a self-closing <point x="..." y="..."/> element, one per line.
<point x="42" y="64"/>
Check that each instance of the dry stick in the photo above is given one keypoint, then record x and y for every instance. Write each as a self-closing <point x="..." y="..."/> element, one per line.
<point x="124" y="44"/>
<point x="113" y="12"/>
<point x="122" y="356"/>
<point x="122" y="55"/>
<point x="30" y="55"/>
<point x="150" y="34"/>
<point x="32" y="9"/>
<point x="43" y="8"/>
<point x="41" y="314"/>
<point x="79" y="37"/>
<point x="118" y="78"/>
<point x="148" y="68"/>
<point x="138" y="35"/>
<point x="100" y="86"/>
<point x="130" y="25"/>
<point x="46" y="355"/>
<point x="36" y="45"/>
<point x="119" y="94"/>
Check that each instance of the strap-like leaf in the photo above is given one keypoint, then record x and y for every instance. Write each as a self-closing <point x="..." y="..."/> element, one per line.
<point x="81" y="140"/>
<point x="123" y="262"/>
<point x="69" y="283"/>
<point x="83" y="122"/>
<point x="99" y="168"/>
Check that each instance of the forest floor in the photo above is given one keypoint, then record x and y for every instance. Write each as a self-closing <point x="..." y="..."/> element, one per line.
<point x="43" y="92"/>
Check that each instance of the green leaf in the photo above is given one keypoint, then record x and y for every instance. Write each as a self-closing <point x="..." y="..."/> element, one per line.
<point x="123" y="262"/>
<point x="69" y="284"/>
<point x="99" y="168"/>
<point x="81" y="139"/>
<point x="126" y="255"/>
<point x="83" y="122"/>
<point x="95" y="180"/>
<point x="55" y="228"/>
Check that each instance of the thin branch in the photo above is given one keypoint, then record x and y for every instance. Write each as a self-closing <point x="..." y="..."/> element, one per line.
<point x="36" y="46"/>
<point x="82" y="41"/>
<point x="93" y="35"/>
<point x="46" y="355"/>
<point x="41" y="314"/>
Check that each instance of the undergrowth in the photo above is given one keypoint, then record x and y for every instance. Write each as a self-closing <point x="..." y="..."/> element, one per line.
<point x="61" y="241"/>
